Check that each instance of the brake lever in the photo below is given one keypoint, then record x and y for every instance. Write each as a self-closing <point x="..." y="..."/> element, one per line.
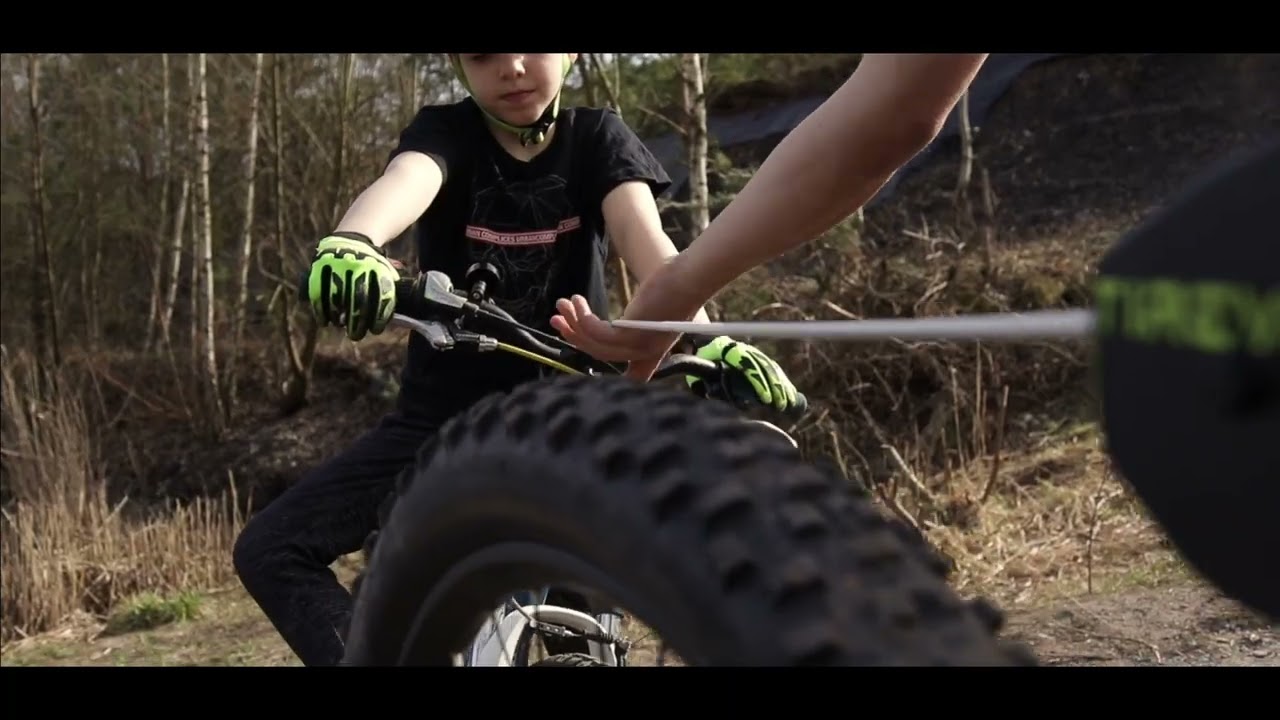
<point x="435" y="332"/>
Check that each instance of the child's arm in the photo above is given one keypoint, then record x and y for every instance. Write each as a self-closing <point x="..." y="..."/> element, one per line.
<point x="416" y="172"/>
<point x="624" y="178"/>
<point x="413" y="178"/>
<point x="364" y="301"/>
<point x="395" y="200"/>
<point x="635" y="227"/>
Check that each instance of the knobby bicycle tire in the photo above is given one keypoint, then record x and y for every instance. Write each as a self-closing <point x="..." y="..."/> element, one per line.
<point x="712" y="531"/>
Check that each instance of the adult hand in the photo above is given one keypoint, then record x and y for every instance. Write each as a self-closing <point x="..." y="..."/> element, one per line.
<point x="660" y="297"/>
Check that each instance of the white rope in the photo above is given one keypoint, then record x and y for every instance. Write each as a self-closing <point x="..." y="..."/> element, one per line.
<point x="1035" y="325"/>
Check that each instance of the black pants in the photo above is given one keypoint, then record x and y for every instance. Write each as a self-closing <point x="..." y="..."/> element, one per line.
<point x="284" y="553"/>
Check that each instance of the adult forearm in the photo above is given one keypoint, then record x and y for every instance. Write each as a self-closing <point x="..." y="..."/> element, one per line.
<point x="832" y="163"/>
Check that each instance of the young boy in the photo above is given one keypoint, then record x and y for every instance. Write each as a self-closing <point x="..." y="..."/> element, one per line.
<point x="505" y="177"/>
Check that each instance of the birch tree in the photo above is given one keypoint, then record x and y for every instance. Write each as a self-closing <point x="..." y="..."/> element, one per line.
<point x="612" y="94"/>
<point x="246" y="238"/>
<point x="297" y="359"/>
<point x="162" y="218"/>
<point x="180" y="212"/>
<point x="207" y="348"/>
<point x="44" y="313"/>
<point x="695" y="139"/>
<point x="965" y="175"/>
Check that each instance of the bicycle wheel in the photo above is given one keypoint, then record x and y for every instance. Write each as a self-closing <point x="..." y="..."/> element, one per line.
<point x="569" y="660"/>
<point x="708" y="529"/>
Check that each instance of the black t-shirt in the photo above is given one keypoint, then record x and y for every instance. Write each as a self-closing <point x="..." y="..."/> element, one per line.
<point x="539" y="222"/>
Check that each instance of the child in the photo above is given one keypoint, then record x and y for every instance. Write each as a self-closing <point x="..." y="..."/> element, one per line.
<point x="505" y="177"/>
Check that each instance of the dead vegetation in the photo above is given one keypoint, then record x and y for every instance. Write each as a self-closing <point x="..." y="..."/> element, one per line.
<point x="989" y="449"/>
<point x="993" y="449"/>
<point x="67" y="545"/>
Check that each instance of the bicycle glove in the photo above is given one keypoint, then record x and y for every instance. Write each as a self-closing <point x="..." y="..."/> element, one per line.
<point x="352" y="284"/>
<point x="764" y="377"/>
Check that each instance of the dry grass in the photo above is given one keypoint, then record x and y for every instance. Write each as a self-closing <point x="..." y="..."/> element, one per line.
<point x="989" y="449"/>
<point x="939" y="405"/>
<point x="67" y="547"/>
<point x="1058" y="523"/>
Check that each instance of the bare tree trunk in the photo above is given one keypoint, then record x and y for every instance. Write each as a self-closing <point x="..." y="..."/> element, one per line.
<point x="246" y="246"/>
<point x="44" y="315"/>
<point x="588" y="86"/>
<point x="411" y="88"/>
<point x="966" y="157"/>
<point x="294" y="388"/>
<point x="695" y="137"/>
<point x="91" y="239"/>
<point x="618" y="61"/>
<point x="193" y="281"/>
<point x="93" y="326"/>
<point x="412" y="91"/>
<point x="345" y="90"/>
<point x="166" y="179"/>
<point x="216" y="413"/>
<point x="197" y="210"/>
<point x="184" y="228"/>
<point x="83" y="232"/>
<point x="175" y="257"/>
<point x="624" y="278"/>
<point x="415" y="87"/>
<point x="610" y="91"/>
<point x="180" y="213"/>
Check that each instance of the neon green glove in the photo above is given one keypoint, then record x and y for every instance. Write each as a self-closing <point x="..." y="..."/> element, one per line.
<point x="765" y="377"/>
<point x="352" y="284"/>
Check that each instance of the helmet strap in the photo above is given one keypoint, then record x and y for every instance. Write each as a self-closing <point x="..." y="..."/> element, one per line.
<point x="534" y="133"/>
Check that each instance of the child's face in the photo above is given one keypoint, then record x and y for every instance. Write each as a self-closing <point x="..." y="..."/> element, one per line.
<point x="516" y="87"/>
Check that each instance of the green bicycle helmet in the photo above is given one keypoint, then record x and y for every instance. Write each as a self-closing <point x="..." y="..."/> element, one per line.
<point x="534" y="133"/>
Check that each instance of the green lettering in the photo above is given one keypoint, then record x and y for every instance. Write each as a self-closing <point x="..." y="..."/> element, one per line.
<point x="1143" y="313"/>
<point x="1167" y="306"/>
<point x="1211" y="316"/>
<point x="1264" y="328"/>
<point x="1106" y="293"/>
<point x="1133" y="321"/>
<point x="1215" y="324"/>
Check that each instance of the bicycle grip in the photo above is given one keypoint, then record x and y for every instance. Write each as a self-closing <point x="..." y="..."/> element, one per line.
<point x="744" y="394"/>
<point x="801" y="406"/>
<point x="404" y="287"/>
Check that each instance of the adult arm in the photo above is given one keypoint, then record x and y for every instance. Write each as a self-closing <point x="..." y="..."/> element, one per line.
<point x="829" y="166"/>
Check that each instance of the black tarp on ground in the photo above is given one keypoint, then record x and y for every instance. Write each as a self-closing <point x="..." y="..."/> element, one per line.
<point x="993" y="81"/>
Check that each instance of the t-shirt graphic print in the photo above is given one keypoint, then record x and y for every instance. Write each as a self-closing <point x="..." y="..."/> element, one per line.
<point x="522" y="228"/>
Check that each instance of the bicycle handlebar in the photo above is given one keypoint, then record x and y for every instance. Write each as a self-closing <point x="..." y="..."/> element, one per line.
<point x="450" y="319"/>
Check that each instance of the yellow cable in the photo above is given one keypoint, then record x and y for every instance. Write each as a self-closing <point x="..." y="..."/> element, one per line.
<point x="537" y="358"/>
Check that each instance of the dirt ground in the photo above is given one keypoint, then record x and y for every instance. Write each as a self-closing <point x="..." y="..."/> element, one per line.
<point x="1178" y="625"/>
